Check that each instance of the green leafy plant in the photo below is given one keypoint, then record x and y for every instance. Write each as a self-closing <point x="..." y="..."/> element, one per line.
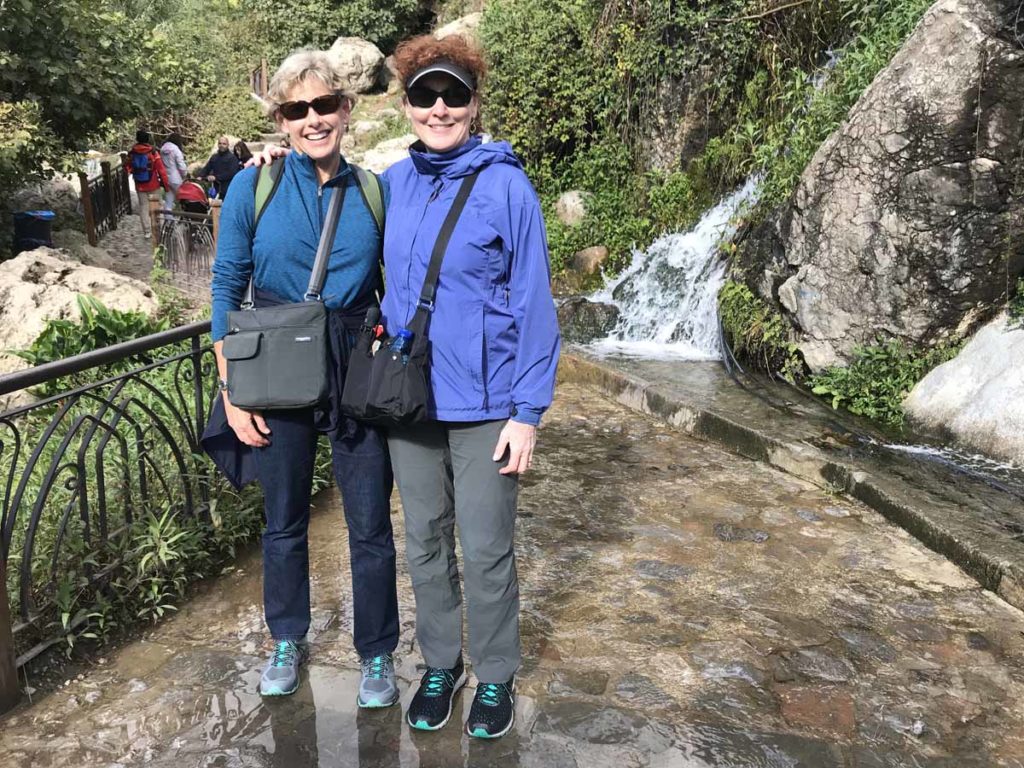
<point x="97" y="327"/>
<point x="757" y="332"/>
<point x="879" y="378"/>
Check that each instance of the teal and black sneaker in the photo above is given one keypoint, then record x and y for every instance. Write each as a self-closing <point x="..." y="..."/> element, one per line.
<point x="378" y="688"/>
<point x="493" y="710"/>
<point x="431" y="707"/>
<point x="281" y="677"/>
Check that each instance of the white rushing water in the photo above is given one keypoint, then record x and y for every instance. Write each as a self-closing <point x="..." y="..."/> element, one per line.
<point x="668" y="296"/>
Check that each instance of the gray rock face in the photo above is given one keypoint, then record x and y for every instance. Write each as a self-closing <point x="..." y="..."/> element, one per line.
<point x="905" y="222"/>
<point x="583" y="321"/>
<point x="979" y="395"/>
<point x="359" y="60"/>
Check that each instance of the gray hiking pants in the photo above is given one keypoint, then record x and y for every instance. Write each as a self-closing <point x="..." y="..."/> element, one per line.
<point x="445" y="476"/>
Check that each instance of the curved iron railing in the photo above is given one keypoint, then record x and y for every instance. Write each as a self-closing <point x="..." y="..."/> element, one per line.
<point x="79" y="467"/>
<point x="188" y="247"/>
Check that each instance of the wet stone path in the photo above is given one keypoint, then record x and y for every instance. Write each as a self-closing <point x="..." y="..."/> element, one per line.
<point x="682" y="608"/>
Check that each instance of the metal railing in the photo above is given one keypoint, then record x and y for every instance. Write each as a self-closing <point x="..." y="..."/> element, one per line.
<point x="187" y="244"/>
<point x="105" y="199"/>
<point x="81" y="464"/>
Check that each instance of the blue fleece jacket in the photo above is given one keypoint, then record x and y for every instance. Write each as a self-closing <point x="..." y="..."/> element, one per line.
<point x="280" y="254"/>
<point x="493" y="332"/>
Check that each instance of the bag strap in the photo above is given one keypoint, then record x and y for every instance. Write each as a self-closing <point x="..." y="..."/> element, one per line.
<point x="323" y="252"/>
<point x="373" y="195"/>
<point x="429" y="291"/>
<point x="267" y="182"/>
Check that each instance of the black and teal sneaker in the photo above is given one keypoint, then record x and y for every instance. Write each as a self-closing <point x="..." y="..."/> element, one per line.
<point x="493" y="710"/>
<point x="281" y="677"/>
<point x="431" y="707"/>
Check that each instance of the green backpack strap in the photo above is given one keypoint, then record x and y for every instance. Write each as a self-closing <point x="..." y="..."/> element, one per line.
<point x="373" y="194"/>
<point x="267" y="182"/>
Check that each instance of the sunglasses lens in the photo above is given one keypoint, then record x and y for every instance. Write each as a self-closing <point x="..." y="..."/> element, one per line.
<point x="457" y="95"/>
<point x="323" y="105"/>
<point x="454" y="96"/>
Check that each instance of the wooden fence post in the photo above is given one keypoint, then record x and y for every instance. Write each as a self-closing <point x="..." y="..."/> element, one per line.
<point x="9" y="691"/>
<point x="264" y="77"/>
<point x="90" y="222"/>
<point x="108" y="181"/>
<point x="215" y="212"/>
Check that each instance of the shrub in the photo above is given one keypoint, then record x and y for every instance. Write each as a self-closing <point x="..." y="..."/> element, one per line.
<point x="757" y="332"/>
<point x="879" y="378"/>
<point x="231" y="110"/>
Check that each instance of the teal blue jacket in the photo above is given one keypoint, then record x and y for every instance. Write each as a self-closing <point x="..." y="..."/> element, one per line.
<point x="280" y="254"/>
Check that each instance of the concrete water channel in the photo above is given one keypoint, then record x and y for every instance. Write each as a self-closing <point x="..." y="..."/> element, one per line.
<point x="683" y="607"/>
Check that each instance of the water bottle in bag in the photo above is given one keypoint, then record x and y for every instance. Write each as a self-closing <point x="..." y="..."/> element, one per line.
<point x="401" y="344"/>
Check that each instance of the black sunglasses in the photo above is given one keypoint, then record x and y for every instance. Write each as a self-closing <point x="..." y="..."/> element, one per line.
<point x="455" y="95"/>
<point x="322" y="105"/>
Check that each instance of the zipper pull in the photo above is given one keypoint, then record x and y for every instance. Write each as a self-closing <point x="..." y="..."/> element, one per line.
<point x="437" y="190"/>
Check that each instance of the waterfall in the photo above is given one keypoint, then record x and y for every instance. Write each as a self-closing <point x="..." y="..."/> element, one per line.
<point x="668" y="296"/>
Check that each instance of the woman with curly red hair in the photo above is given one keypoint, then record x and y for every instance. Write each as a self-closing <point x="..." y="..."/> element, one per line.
<point x="494" y="349"/>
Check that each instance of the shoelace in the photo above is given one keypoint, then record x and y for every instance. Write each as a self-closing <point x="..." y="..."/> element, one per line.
<point x="284" y="654"/>
<point x="376" y="667"/>
<point x="491" y="693"/>
<point x="435" y="681"/>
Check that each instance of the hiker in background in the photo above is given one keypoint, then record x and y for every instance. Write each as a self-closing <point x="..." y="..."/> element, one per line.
<point x="273" y="242"/>
<point x="221" y="168"/>
<point x="174" y="163"/>
<point x="242" y="152"/>
<point x="143" y="162"/>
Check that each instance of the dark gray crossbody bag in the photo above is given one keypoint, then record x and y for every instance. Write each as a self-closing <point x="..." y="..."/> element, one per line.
<point x="277" y="356"/>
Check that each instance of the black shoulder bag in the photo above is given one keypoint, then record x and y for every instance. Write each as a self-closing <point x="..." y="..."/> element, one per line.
<point x="393" y="385"/>
<point x="277" y="356"/>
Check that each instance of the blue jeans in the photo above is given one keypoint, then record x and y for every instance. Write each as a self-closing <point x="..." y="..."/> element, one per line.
<point x="362" y="469"/>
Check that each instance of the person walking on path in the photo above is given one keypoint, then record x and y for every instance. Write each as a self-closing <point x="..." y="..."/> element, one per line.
<point x="221" y="168"/>
<point x="494" y="350"/>
<point x="174" y="163"/>
<point x="143" y="162"/>
<point x="308" y="100"/>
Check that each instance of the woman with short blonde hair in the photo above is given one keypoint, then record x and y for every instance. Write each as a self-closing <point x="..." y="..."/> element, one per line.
<point x="276" y="248"/>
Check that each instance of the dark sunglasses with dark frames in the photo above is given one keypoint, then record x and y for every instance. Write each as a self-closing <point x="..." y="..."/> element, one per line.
<point x="454" y="96"/>
<point x="322" y="105"/>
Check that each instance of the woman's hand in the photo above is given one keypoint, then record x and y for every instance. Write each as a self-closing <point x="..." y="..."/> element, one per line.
<point x="249" y="426"/>
<point x="519" y="439"/>
<point x="267" y="155"/>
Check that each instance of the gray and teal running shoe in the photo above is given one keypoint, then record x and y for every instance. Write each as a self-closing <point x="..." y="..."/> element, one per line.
<point x="378" y="688"/>
<point x="281" y="677"/>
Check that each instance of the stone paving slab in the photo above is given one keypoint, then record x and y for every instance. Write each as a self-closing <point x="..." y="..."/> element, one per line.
<point x="973" y="522"/>
<point x="683" y="607"/>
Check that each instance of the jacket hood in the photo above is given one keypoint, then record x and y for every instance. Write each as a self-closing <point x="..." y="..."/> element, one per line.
<point x="474" y="155"/>
<point x="142" y="148"/>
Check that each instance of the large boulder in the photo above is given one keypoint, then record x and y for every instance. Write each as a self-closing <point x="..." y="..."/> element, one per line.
<point x="387" y="153"/>
<point x="467" y="26"/>
<point x="57" y="194"/>
<point x="42" y="285"/>
<point x="978" y="396"/>
<point x="905" y="223"/>
<point x="76" y="245"/>
<point x="359" y="61"/>
<point x="571" y="207"/>
<point x="583" y="321"/>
